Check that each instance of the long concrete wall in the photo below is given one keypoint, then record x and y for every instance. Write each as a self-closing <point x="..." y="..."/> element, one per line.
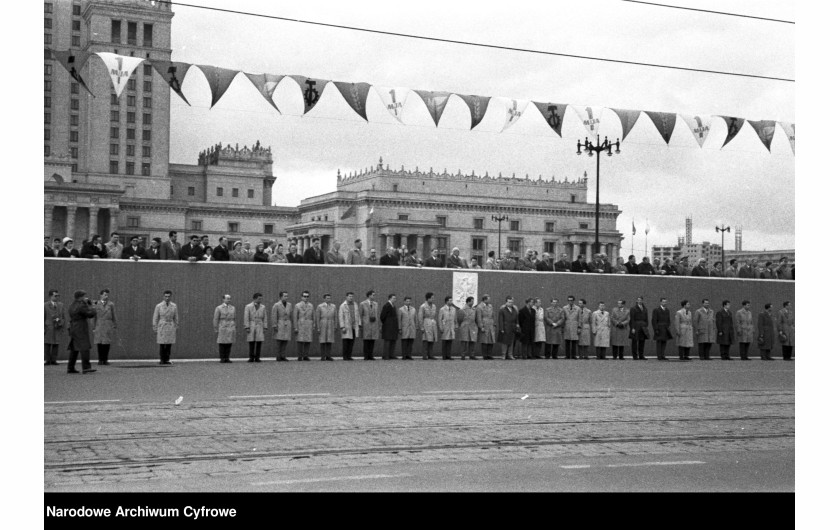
<point x="136" y="287"/>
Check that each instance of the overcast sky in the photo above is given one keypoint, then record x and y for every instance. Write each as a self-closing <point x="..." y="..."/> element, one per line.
<point x="742" y="184"/>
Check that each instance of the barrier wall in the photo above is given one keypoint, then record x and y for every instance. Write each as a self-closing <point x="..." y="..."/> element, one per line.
<point x="136" y="287"/>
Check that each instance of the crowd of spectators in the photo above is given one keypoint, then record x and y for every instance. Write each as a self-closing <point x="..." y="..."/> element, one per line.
<point x="199" y="248"/>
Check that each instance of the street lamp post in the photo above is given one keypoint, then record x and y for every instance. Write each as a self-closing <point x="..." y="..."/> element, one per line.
<point x="722" y="229"/>
<point x="596" y="149"/>
<point x="499" y="219"/>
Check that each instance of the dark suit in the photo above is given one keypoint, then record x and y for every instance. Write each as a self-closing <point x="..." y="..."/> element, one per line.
<point x="130" y="251"/>
<point x="661" y="323"/>
<point x="311" y="255"/>
<point x="562" y="266"/>
<point x="527" y="323"/>
<point x="389" y="261"/>
<point x="64" y="253"/>
<point x="79" y="313"/>
<point x="577" y="266"/>
<point x="508" y="322"/>
<point x="542" y="266"/>
<point x="454" y="263"/>
<point x="632" y="268"/>
<point x="670" y="270"/>
<point x="189" y="251"/>
<point x="645" y="268"/>
<point x="170" y="251"/>
<point x="725" y="332"/>
<point x="432" y="262"/>
<point x="294" y="258"/>
<point x="390" y="329"/>
<point x="48" y="252"/>
<point x="638" y="330"/>
<point x="153" y="253"/>
<point x="89" y="251"/>
<point x="700" y="271"/>
<point x="221" y="253"/>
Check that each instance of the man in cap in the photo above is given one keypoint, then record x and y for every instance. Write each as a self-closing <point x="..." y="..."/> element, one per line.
<point x="154" y="251"/>
<point x="80" y="311"/>
<point x="134" y="251"/>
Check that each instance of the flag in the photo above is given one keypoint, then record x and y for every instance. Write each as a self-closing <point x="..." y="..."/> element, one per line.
<point x="634" y="227"/>
<point x="765" y="130"/>
<point x="699" y="126"/>
<point x="553" y="114"/>
<point x="393" y="99"/>
<point x="790" y="130"/>
<point x="477" y="106"/>
<point x="355" y="94"/>
<point x="664" y="123"/>
<point x="266" y="84"/>
<point x="591" y="118"/>
<point x="733" y="127"/>
<point x="647" y="227"/>
<point x="173" y="74"/>
<point x="72" y="61"/>
<point x="312" y="89"/>
<point x="514" y="110"/>
<point x="628" y="120"/>
<point x="120" y="68"/>
<point x="435" y="102"/>
<point x="219" y="80"/>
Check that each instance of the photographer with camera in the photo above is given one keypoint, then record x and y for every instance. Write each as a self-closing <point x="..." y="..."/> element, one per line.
<point x="80" y="311"/>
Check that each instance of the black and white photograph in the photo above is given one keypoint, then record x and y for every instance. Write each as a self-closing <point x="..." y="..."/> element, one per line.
<point x="445" y="247"/>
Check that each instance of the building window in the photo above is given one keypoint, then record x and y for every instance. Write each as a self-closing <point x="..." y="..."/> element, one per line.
<point x="147" y="135"/>
<point x="74" y="120"/>
<point x="441" y="220"/>
<point x="402" y="217"/>
<point x="147" y="102"/>
<point x="114" y="99"/>
<point x="129" y="133"/>
<point x="395" y="187"/>
<point x="130" y="116"/>
<point x="115" y="116"/>
<point x="147" y="87"/>
<point x="147" y="169"/>
<point x="77" y="10"/>
<point x="268" y="229"/>
<point x="147" y="118"/>
<point x="326" y="218"/>
<point x="48" y="7"/>
<point x="74" y="88"/>
<point x="129" y="150"/>
<point x="549" y="226"/>
<point x="115" y="167"/>
<point x="191" y="191"/>
<point x="147" y="69"/>
<point x="115" y="132"/>
<point x="147" y="38"/>
<point x="220" y="192"/>
<point x="76" y="41"/>
<point x="47" y="69"/>
<point x="47" y="117"/>
<point x="47" y="38"/>
<point x="515" y="246"/>
<point x="514" y="226"/>
<point x="47" y="135"/>
<point x="478" y="244"/>
<point x="74" y="136"/>
<point x="47" y="23"/>
<point x="478" y="224"/>
<point x="129" y="168"/>
<point x="47" y="101"/>
<point x="235" y="192"/>
<point x="46" y="150"/>
<point x="584" y="226"/>
<point x="74" y="152"/>
<point x="115" y="149"/>
<point x="147" y="151"/>
<point x="195" y="225"/>
<point x="233" y="227"/>
<point x="74" y="168"/>
<point x="133" y="222"/>
<point x="131" y="101"/>
<point x="132" y="84"/>
<point x="250" y="194"/>
<point x="47" y="85"/>
<point x="132" y="33"/>
<point x="548" y="246"/>
<point x="116" y="31"/>
<point x="77" y="25"/>
<point x="573" y="198"/>
<point x="74" y="104"/>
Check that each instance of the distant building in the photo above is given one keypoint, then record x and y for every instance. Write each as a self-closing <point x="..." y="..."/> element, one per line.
<point x="763" y="256"/>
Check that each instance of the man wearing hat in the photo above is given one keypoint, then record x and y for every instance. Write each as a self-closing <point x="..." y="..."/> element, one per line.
<point x="53" y="324"/>
<point x="80" y="311"/>
<point x="154" y="251"/>
<point x="134" y="251"/>
<point x="193" y="251"/>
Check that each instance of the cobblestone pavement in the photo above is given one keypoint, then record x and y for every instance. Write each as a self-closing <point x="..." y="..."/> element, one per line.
<point x="133" y="445"/>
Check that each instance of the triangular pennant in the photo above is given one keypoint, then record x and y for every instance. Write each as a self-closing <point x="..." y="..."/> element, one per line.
<point x="120" y="68"/>
<point x="699" y="125"/>
<point x="355" y="94"/>
<point x="733" y="127"/>
<point x="435" y="102"/>
<point x="219" y="80"/>
<point x="664" y="123"/>
<point x="790" y="132"/>
<point x="312" y="90"/>
<point x="393" y="99"/>
<point x="266" y="84"/>
<point x="477" y="106"/>
<point x="765" y="130"/>
<point x="72" y="61"/>
<point x="553" y="114"/>
<point x="173" y="74"/>
<point x="591" y="118"/>
<point x="628" y="119"/>
<point x="513" y="110"/>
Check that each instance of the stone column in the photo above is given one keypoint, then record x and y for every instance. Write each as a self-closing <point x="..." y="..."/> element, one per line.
<point x="48" y="220"/>
<point x="575" y="251"/>
<point x="114" y="222"/>
<point x="93" y="215"/>
<point x="71" y="223"/>
<point x="389" y="241"/>
<point x="419" y="246"/>
<point x="589" y="251"/>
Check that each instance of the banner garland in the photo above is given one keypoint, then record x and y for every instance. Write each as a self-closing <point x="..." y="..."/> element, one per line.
<point x="173" y="73"/>
<point x="266" y="84"/>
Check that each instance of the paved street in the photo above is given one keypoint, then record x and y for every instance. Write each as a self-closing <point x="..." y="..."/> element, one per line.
<point x="422" y="426"/>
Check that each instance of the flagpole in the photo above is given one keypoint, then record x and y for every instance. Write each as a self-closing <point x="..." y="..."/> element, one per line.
<point x="647" y="229"/>
<point x="633" y="238"/>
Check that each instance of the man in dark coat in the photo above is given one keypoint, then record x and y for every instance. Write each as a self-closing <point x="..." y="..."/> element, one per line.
<point x="193" y="251"/>
<point x="220" y="252"/>
<point x="293" y="256"/>
<point x="669" y="269"/>
<point x="53" y="324"/>
<point x="390" y="326"/>
<point x="134" y="250"/>
<point x="154" y="250"/>
<point x="645" y="266"/>
<point x="545" y="265"/>
<point x="527" y="323"/>
<point x="390" y="259"/>
<point x="631" y="265"/>
<point x="580" y="265"/>
<point x="314" y="254"/>
<point x="766" y="332"/>
<point x="94" y="249"/>
<point x="638" y="329"/>
<point x="171" y="250"/>
<point x="80" y="311"/>
<point x="562" y="265"/>
<point x="454" y="260"/>
<point x="700" y="269"/>
<point x="661" y="323"/>
<point x="508" y="325"/>
<point x="435" y="260"/>
<point x="725" y="326"/>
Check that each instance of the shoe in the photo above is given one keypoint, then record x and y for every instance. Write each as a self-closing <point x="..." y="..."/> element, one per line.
<point x="250" y="360"/>
<point x="328" y="359"/>
<point x="661" y="358"/>
<point x="306" y="358"/>
<point x="106" y="363"/>
<point x="282" y="359"/>
<point x="88" y="370"/>
<point x="227" y="361"/>
<point x="473" y="358"/>
<point x="257" y="360"/>
<point x="348" y="359"/>
<point x="72" y="371"/>
<point x="164" y="362"/>
<point x="47" y="363"/>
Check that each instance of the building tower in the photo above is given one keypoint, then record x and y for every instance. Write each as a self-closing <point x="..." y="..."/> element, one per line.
<point x="738" y="240"/>
<point x="688" y="227"/>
